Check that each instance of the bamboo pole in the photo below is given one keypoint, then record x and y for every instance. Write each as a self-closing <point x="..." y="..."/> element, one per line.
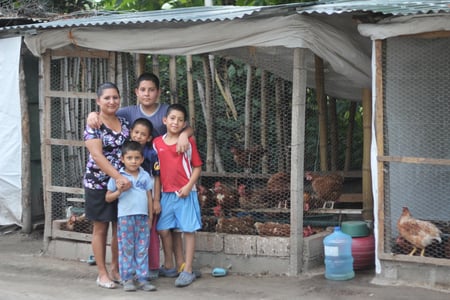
<point x="209" y="120"/>
<point x="322" y="105"/>
<point x="155" y="65"/>
<point x="264" y="121"/>
<point x="279" y="124"/>
<point x="140" y="64"/>
<point x="248" y="108"/>
<point x="173" y="79"/>
<point x="299" y="77"/>
<point x="190" y="91"/>
<point x="367" y="212"/>
<point x="334" y="145"/>
<point x="349" y="140"/>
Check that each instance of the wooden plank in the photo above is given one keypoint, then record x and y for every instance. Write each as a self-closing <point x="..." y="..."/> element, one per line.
<point x="78" y="200"/>
<point x="356" y="197"/>
<point x="71" y="95"/>
<point x="65" y="189"/>
<point x="337" y="211"/>
<point x="235" y="175"/>
<point x="71" y="51"/>
<point x="263" y="210"/>
<point x="70" y="235"/>
<point x="61" y="142"/>
<point x="415" y="160"/>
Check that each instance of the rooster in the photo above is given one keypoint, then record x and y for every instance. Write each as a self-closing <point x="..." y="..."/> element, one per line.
<point x="248" y="158"/>
<point x="225" y="198"/>
<point x="205" y="197"/>
<point x="326" y="188"/>
<point x="417" y="232"/>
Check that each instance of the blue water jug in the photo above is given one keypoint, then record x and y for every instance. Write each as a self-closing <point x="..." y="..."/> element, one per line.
<point x="338" y="256"/>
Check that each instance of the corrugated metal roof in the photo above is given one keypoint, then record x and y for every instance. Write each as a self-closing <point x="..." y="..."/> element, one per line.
<point x="387" y="7"/>
<point x="221" y="13"/>
<point x="191" y="14"/>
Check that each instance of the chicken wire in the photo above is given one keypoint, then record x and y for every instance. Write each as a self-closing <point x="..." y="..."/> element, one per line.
<point x="245" y="188"/>
<point x="416" y="128"/>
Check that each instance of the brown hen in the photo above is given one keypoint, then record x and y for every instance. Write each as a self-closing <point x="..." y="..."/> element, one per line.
<point x="419" y="233"/>
<point x="248" y="158"/>
<point x="326" y="187"/>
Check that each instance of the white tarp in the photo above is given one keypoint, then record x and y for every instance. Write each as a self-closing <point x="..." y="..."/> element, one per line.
<point x="10" y="133"/>
<point x="347" y="63"/>
<point x="406" y="25"/>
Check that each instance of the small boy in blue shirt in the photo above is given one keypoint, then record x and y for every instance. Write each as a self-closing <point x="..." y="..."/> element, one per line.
<point x="134" y="218"/>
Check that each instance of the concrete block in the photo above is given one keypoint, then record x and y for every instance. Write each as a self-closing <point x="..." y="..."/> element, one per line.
<point x="209" y="241"/>
<point x="272" y="246"/>
<point x="240" y="244"/>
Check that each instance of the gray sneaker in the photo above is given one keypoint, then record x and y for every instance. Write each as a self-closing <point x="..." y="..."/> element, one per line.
<point x="185" y="279"/>
<point x="147" y="286"/>
<point x="129" y="286"/>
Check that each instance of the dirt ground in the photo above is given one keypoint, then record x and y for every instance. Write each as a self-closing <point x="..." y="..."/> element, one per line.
<point x="27" y="273"/>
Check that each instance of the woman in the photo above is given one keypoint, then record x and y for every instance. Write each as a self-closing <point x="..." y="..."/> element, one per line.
<point x="103" y="163"/>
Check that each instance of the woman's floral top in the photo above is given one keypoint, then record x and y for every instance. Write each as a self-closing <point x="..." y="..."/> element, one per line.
<point x="94" y="178"/>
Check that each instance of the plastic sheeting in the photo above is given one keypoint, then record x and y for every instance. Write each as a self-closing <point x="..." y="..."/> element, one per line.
<point x="10" y="133"/>
<point x="347" y="64"/>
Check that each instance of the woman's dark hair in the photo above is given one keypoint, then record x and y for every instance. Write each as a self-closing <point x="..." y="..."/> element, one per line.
<point x="105" y="86"/>
<point x="148" y="77"/>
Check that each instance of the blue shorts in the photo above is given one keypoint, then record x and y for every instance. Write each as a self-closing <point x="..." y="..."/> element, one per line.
<point x="180" y="213"/>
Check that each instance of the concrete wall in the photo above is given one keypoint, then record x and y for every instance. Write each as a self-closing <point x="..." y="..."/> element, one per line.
<point x="246" y="254"/>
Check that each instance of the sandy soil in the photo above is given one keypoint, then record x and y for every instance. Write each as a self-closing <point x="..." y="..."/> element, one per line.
<point x="27" y="273"/>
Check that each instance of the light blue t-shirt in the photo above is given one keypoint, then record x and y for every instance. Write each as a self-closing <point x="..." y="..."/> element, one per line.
<point x="134" y="200"/>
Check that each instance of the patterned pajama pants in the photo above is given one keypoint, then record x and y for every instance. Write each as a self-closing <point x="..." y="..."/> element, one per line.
<point x="133" y="235"/>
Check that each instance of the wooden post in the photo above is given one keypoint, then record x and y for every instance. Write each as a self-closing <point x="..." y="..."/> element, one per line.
<point x="349" y="141"/>
<point x="173" y="79"/>
<point x="190" y="91"/>
<point x="26" y="164"/>
<point x="323" y="112"/>
<point x="279" y="123"/>
<point x="367" y="212"/>
<point x="209" y="115"/>
<point x="248" y="109"/>
<point x="264" y="75"/>
<point x="334" y="145"/>
<point x="140" y="64"/>
<point x="299" y="77"/>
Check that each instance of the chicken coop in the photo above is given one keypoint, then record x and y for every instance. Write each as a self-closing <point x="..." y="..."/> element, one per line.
<point x="281" y="138"/>
<point x="412" y="72"/>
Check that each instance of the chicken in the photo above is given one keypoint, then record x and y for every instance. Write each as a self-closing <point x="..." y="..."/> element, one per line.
<point x="225" y="198"/>
<point x="419" y="233"/>
<point x="279" y="182"/>
<point x="248" y="158"/>
<point x="280" y="229"/>
<point x="279" y="187"/>
<point x="78" y="224"/>
<point x="326" y="188"/>
<point x="253" y="199"/>
<point x="225" y="195"/>
<point x="306" y="201"/>
<point x="273" y="229"/>
<point x="205" y="197"/>
<point x="235" y="225"/>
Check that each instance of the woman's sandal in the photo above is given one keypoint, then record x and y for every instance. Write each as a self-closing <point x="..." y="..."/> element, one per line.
<point x="106" y="285"/>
